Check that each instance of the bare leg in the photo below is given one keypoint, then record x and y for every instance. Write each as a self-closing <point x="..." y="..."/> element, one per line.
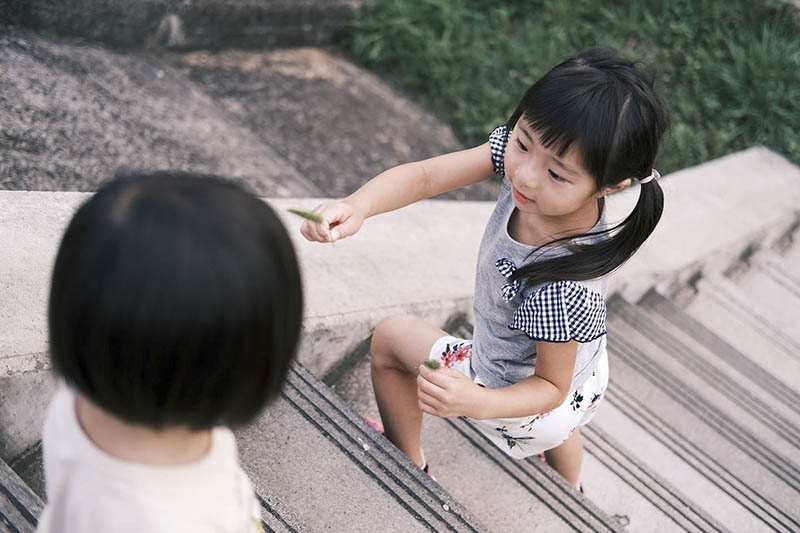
<point x="399" y="345"/>
<point x="567" y="457"/>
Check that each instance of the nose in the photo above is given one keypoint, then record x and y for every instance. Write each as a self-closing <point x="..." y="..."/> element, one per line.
<point x="527" y="176"/>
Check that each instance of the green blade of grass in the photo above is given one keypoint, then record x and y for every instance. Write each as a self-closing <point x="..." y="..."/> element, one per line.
<point x="306" y="214"/>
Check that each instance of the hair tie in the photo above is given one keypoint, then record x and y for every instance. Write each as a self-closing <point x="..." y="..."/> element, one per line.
<point x="653" y="175"/>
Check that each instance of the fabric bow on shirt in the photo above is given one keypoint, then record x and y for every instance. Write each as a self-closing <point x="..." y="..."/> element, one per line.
<point x="507" y="268"/>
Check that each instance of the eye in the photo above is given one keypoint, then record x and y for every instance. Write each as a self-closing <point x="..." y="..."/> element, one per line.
<point x="521" y="146"/>
<point x="555" y="176"/>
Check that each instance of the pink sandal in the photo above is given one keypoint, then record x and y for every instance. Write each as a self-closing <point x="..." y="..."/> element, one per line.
<point x="377" y="426"/>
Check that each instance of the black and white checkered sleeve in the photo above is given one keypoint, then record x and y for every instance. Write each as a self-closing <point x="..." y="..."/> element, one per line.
<point x="561" y="312"/>
<point x="498" y="140"/>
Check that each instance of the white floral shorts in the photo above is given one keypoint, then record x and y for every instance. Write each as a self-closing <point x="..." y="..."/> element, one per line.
<point x="530" y="435"/>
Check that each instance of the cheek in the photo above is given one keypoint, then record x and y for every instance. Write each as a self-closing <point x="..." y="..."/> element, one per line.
<point x="564" y="200"/>
<point x="509" y="161"/>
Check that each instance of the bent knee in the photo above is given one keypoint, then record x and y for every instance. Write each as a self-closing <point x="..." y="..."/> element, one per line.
<point x="388" y="331"/>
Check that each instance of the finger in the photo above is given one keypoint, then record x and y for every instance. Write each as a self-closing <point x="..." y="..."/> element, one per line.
<point x="451" y="373"/>
<point x="325" y="227"/>
<point x="344" y="227"/>
<point x="437" y="377"/>
<point x="319" y="230"/>
<point x="307" y="229"/>
<point x="429" y="388"/>
<point x="428" y="399"/>
<point x="425" y="408"/>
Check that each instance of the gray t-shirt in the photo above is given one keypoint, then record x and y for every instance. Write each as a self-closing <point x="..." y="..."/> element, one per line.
<point x="511" y="317"/>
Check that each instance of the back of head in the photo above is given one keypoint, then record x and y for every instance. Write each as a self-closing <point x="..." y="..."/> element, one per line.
<point x="609" y="110"/>
<point x="175" y="300"/>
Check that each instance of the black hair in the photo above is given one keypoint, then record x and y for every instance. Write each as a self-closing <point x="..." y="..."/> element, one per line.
<point x="176" y="300"/>
<point x="609" y="110"/>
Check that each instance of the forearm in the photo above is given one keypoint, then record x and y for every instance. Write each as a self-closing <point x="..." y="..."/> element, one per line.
<point x="411" y="182"/>
<point x="392" y="189"/>
<point x="528" y="397"/>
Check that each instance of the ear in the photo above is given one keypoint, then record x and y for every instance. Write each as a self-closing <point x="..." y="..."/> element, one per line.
<point x="614" y="188"/>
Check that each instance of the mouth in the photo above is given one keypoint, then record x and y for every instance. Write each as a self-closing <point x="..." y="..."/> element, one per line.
<point x="519" y="196"/>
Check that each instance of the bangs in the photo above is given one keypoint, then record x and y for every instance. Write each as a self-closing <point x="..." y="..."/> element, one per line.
<point x="576" y="107"/>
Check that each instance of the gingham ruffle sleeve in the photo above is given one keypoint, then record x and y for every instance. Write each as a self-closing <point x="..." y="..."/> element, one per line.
<point x="561" y="312"/>
<point x="498" y="140"/>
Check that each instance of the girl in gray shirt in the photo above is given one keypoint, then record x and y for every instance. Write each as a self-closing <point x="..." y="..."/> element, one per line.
<point x="537" y="367"/>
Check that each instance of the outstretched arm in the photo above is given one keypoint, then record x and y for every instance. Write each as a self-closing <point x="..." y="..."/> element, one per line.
<point x="398" y="187"/>
<point x="448" y="393"/>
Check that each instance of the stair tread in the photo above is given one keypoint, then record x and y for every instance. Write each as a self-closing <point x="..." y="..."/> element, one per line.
<point x="720" y="354"/>
<point x="446" y="450"/>
<point x="307" y="451"/>
<point x="712" y="308"/>
<point x="661" y="451"/>
<point x="773" y="290"/>
<point x="20" y="507"/>
<point x="750" y="469"/>
<point x="661" y="344"/>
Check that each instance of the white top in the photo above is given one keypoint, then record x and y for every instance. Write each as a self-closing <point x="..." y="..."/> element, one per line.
<point x="91" y="491"/>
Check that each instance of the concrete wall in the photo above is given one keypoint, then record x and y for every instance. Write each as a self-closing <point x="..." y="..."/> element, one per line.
<point x="420" y="260"/>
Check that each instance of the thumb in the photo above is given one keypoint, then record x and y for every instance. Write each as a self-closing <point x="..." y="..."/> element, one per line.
<point x="345" y="228"/>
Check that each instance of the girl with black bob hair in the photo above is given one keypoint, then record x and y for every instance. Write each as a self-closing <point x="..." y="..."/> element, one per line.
<point x="536" y="368"/>
<point x="175" y="310"/>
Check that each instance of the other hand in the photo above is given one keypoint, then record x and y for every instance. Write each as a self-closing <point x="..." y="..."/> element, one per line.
<point x="448" y="393"/>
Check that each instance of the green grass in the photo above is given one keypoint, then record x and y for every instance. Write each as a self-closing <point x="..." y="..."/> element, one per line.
<point x="730" y="69"/>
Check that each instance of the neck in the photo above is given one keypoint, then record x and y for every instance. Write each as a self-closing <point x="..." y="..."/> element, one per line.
<point x="534" y="229"/>
<point x="139" y="444"/>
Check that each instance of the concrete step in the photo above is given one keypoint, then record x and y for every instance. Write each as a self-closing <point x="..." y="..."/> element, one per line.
<point x="29" y="467"/>
<point x="705" y="498"/>
<point x="209" y="24"/>
<point x="626" y="478"/>
<point x="675" y="354"/>
<point x="310" y="452"/>
<point x="23" y="400"/>
<point x="319" y="466"/>
<point x="713" y="443"/>
<point x="20" y="507"/>
<point x="720" y="306"/>
<point x="782" y="401"/>
<point x="770" y="283"/>
<point x="623" y="491"/>
<point x="792" y="256"/>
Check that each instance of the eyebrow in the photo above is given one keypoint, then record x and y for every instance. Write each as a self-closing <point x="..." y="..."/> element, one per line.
<point x="560" y="163"/>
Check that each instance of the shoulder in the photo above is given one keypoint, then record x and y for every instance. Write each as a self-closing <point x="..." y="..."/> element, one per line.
<point x="85" y="509"/>
<point x="563" y="311"/>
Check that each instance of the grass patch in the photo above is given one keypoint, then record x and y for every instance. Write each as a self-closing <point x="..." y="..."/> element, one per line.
<point x="730" y="69"/>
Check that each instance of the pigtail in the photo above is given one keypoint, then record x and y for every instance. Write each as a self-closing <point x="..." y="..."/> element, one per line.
<point x="613" y="248"/>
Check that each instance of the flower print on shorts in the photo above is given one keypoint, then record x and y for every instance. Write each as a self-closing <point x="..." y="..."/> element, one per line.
<point x="511" y="441"/>
<point x="577" y="398"/>
<point x="529" y="424"/>
<point x="593" y="401"/>
<point x="455" y="353"/>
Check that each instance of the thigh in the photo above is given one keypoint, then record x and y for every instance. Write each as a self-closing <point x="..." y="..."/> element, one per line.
<point x="404" y="342"/>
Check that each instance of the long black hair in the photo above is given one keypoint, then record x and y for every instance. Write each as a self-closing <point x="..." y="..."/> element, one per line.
<point x="607" y="108"/>
<point x="175" y="301"/>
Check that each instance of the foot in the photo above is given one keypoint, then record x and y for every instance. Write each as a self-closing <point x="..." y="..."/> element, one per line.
<point x="377" y="426"/>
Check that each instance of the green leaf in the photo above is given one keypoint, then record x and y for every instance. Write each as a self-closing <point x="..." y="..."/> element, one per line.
<point x="306" y="214"/>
